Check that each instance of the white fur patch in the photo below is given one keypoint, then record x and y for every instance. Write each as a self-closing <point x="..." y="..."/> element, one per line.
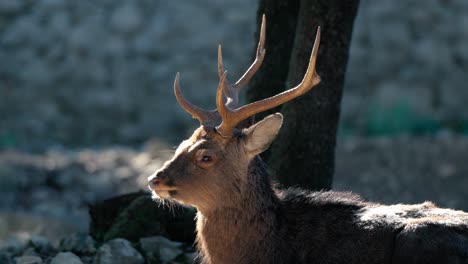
<point x="161" y="194"/>
<point x="414" y="214"/>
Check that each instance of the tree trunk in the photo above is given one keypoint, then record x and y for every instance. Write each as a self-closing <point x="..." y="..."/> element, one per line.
<point x="281" y="20"/>
<point x="304" y="152"/>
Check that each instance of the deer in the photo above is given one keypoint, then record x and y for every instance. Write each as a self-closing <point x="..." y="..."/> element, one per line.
<point x="242" y="217"/>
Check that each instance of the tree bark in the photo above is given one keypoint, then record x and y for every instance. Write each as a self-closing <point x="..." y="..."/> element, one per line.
<point x="281" y="21"/>
<point x="304" y="152"/>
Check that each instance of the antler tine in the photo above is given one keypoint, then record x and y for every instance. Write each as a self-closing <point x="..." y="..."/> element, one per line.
<point x="202" y="115"/>
<point x="258" y="58"/>
<point x="232" y="90"/>
<point x="232" y="117"/>
<point x="220" y="62"/>
<point x="223" y="110"/>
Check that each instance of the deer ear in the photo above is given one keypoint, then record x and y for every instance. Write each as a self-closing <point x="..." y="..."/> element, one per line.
<point x="259" y="136"/>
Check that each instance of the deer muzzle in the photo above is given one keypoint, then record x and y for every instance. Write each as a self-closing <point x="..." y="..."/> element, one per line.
<point x="159" y="181"/>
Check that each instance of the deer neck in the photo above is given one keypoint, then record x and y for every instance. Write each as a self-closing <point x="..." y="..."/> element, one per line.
<point x="229" y="233"/>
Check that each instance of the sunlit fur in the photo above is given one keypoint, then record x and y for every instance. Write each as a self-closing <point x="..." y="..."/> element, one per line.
<point x="243" y="219"/>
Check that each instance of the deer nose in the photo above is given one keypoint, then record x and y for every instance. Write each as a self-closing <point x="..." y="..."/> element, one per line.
<point x="155" y="182"/>
<point x="155" y="178"/>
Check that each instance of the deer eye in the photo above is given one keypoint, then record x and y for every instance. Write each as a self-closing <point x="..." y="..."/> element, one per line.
<point x="206" y="158"/>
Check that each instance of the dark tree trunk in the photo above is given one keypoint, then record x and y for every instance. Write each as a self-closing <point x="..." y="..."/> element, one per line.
<point x="281" y="21"/>
<point x="304" y="152"/>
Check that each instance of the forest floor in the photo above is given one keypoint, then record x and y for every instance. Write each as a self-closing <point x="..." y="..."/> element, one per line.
<point x="48" y="193"/>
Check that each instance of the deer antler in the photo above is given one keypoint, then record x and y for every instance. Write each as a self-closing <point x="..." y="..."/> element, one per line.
<point x="231" y="117"/>
<point x="207" y="117"/>
<point x="232" y="90"/>
<point x="204" y="116"/>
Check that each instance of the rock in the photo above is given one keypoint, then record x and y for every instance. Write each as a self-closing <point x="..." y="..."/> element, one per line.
<point x="69" y="176"/>
<point x="118" y="251"/>
<point x="78" y="243"/>
<point x="126" y="18"/>
<point x="28" y="260"/>
<point x="53" y="4"/>
<point x="5" y="258"/>
<point x="98" y="50"/>
<point x="12" y="245"/>
<point x="11" y="6"/>
<point x="40" y="244"/>
<point x="52" y="43"/>
<point x="160" y="249"/>
<point x="87" y="259"/>
<point x="11" y="178"/>
<point x="66" y="258"/>
<point x="142" y="217"/>
<point x="104" y="213"/>
<point x="82" y="37"/>
<point x="30" y="252"/>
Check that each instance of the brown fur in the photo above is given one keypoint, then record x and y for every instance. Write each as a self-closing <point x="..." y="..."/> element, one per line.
<point x="243" y="219"/>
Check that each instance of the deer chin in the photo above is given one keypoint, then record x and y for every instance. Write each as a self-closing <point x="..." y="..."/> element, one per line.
<point x="163" y="193"/>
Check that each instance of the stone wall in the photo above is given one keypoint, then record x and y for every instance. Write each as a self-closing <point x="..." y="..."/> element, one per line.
<point x="409" y="66"/>
<point x="90" y="72"/>
<point x="100" y="72"/>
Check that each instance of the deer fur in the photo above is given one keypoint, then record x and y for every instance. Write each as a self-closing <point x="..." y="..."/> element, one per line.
<point x="243" y="218"/>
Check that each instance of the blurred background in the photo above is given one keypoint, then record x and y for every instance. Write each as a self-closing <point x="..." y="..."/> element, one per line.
<point x="87" y="108"/>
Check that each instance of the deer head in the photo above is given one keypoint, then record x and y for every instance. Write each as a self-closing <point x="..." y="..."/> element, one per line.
<point x="210" y="169"/>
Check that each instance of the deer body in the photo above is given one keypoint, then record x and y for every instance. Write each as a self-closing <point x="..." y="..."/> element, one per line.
<point x="243" y="219"/>
<point x="283" y="228"/>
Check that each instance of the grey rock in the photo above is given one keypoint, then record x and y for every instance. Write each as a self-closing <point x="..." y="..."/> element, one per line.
<point x="70" y="176"/>
<point x="160" y="249"/>
<point x="11" y="6"/>
<point x="40" y="244"/>
<point x="23" y="31"/>
<point x="395" y="170"/>
<point x="5" y="258"/>
<point x="11" y="178"/>
<point x="116" y="59"/>
<point x="79" y="243"/>
<point x="376" y="32"/>
<point x="30" y="252"/>
<point x="118" y="251"/>
<point x="87" y="259"/>
<point x="66" y="258"/>
<point x="83" y="38"/>
<point x="28" y="260"/>
<point x="20" y="225"/>
<point x="111" y="58"/>
<point x="11" y="245"/>
<point x="157" y="29"/>
<point x="126" y="18"/>
<point x="53" y="4"/>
